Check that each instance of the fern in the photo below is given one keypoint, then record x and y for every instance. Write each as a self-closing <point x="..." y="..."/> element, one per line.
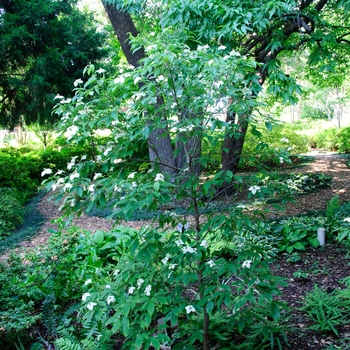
<point x="50" y="317"/>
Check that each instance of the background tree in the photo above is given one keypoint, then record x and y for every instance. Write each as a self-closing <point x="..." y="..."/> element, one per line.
<point x="44" y="47"/>
<point x="261" y="30"/>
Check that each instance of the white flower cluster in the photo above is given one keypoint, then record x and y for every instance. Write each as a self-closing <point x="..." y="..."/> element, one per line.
<point x="247" y="264"/>
<point x="47" y="171"/>
<point x="71" y="131"/>
<point x="254" y="189"/>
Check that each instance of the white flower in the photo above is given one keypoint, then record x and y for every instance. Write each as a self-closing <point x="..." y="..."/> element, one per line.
<point x="84" y="157"/>
<point x="131" y="175"/>
<point x="100" y="70"/>
<point x="116" y="161"/>
<point x="159" y="177"/>
<point x="241" y="206"/>
<point x="204" y="244"/>
<point x="172" y="266"/>
<point x="91" y="305"/>
<point x="97" y="176"/>
<point x="77" y="82"/>
<point x="179" y="242"/>
<point x="91" y="188"/>
<point x="133" y="184"/>
<point x="137" y="79"/>
<point x="87" y="282"/>
<point x="67" y="187"/>
<point x="71" y="131"/>
<point x="46" y="172"/>
<point x="58" y="97"/>
<point x="160" y="78"/>
<point x="119" y="80"/>
<point x="68" y="100"/>
<point x="107" y="150"/>
<point x="188" y="249"/>
<point x="59" y="172"/>
<point x="165" y="260"/>
<point x="347" y="220"/>
<point x="285" y="140"/>
<point x="221" y="47"/>
<point x="235" y="53"/>
<point x="73" y="176"/>
<point x="110" y="299"/>
<point x="211" y="263"/>
<point x="217" y="84"/>
<point x="210" y="62"/>
<point x="281" y="160"/>
<point x="254" y="189"/>
<point x="139" y="283"/>
<point x="247" y="264"/>
<point x="70" y="166"/>
<point x="131" y="290"/>
<point x="116" y="272"/>
<point x="148" y="290"/>
<point x="85" y="296"/>
<point x="189" y="309"/>
<point x="150" y="47"/>
<point x="107" y="286"/>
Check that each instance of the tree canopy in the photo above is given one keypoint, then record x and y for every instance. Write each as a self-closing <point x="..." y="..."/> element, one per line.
<point x="44" y="47"/>
<point x="261" y="31"/>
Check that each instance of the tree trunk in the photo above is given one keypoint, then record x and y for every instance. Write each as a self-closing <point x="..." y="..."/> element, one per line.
<point x="160" y="148"/>
<point x="232" y="146"/>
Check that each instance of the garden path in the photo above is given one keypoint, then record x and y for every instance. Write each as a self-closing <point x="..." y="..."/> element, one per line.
<point x="327" y="163"/>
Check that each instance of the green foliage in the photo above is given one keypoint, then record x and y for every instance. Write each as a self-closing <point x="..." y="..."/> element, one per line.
<point x="288" y="185"/>
<point x="333" y="139"/>
<point x="20" y="172"/>
<point x="272" y="147"/>
<point x="45" y="46"/>
<point x="11" y="212"/>
<point x="297" y="233"/>
<point x="333" y="206"/>
<point x="327" y="139"/>
<point x="326" y="310"/>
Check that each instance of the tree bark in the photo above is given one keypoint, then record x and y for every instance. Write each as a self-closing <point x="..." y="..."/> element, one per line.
<point x="232" y="146"/>
<point x="160" y="147"/>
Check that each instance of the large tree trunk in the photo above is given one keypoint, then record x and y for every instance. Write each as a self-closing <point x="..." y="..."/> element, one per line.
<point x="160" y="148"/>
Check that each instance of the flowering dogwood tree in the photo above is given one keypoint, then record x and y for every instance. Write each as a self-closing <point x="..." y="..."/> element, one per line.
<point x="171" y="270"/>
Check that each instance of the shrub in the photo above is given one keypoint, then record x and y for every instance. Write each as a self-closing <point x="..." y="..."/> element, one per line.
<point x="326" y="139"/>
<point x="19" y="172"/>
<point x="11" y="212"/>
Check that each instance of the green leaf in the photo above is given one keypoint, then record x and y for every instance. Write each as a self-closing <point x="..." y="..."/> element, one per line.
<point x="210" y="306"/>
<point x="275" y="311"/>
<point x="156" y="186"/>
<point x="125" y="326"/>
<point x="289" y="249"/>
<point x="299" y="246"/>
<point x="99" y="237"/>
<point x="150" y="308"/>
<point x="268" y="126"/>
<point x="138" y="341"/>
<point x="155" y="342"/>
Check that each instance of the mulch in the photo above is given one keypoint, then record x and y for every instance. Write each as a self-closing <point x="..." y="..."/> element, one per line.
<point x="324" y="266"/>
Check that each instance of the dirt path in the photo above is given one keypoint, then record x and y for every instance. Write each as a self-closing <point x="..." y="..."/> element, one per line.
<point x="328" y="164"/>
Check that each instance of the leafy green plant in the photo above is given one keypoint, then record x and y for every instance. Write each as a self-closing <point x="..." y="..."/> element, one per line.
<point x="297" y="233"/>
<point x="332" y="208"/>
<point x="11" y="212"/>
<point x="327" y="310"/>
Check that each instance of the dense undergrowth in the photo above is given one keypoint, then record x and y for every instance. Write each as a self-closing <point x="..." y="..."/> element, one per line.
<point x="87" y="291"/>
